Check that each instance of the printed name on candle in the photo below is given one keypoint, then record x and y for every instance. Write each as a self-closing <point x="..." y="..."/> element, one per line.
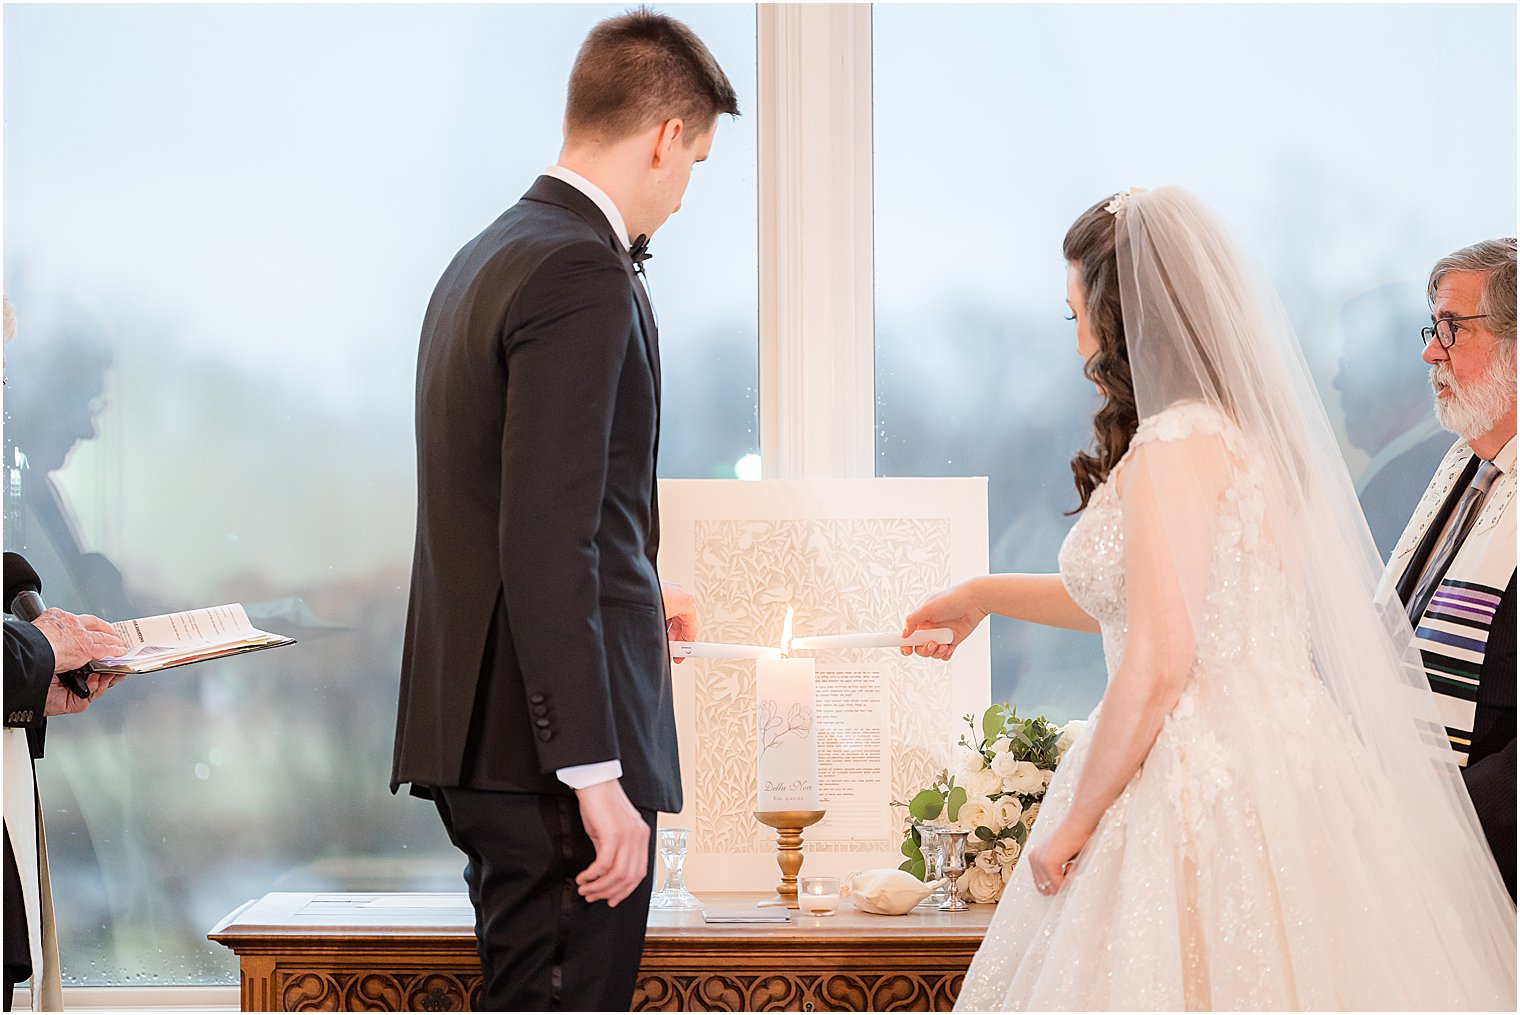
<point x="785" y="787"/>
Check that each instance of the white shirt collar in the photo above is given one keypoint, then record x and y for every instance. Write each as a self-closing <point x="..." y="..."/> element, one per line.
<point x="598" y="197"/>
<point x="1505" y="459"/>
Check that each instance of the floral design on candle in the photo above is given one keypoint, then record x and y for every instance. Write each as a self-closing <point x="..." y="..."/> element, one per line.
<point x="774" y="729"/>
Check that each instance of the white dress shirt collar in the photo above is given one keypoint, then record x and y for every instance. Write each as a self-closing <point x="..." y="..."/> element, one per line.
<point x="1505" y="459"/>
<point x="598" y="197"/>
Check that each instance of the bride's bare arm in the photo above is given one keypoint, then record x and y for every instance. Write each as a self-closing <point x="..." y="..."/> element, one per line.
<point x="1037" y="598"/>
<point x="1171" y="494"/>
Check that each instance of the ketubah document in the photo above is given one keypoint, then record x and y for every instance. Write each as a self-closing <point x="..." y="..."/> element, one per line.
<point x="178" y="639"/>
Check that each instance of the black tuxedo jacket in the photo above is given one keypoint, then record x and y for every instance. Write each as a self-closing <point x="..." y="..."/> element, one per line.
<point x="28" y="674"/>
<point x="1490" y="773"/>
<point x="535" y="634"/>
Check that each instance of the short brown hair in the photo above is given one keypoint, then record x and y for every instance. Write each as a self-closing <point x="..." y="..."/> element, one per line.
<point x="642" y="68"/>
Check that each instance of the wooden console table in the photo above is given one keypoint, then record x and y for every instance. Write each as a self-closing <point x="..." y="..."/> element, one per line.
<point x="416" y="952"/>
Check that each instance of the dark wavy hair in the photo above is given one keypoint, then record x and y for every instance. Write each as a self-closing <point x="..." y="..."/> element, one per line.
<point x="1090" y="245"/>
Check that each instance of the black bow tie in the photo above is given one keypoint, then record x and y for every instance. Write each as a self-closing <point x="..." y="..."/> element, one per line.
<point x="640" y="252"/>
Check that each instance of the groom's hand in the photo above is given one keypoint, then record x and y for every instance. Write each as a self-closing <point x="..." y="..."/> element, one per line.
<point x="680" y="613"/>
<point x="621" y="838"/>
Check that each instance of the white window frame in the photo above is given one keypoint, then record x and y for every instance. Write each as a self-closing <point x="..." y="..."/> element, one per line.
<point x="817" y="299"/>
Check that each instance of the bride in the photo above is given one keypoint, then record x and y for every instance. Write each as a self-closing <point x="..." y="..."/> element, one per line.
<point x="1266" y="812"/>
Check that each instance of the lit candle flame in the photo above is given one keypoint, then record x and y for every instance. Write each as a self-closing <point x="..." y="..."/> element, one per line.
<point x="786" y="632"/>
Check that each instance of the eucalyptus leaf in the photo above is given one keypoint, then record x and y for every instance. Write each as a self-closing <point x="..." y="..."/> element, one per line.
<point x="1020" y="833"/>
<point x="984" y="833"/>
<point x="953" y="805"/>
<point x="927" y="804"/>
<point x="993" y="721"/>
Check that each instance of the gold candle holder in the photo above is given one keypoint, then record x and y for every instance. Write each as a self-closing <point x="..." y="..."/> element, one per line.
<point x="788" y="826"/>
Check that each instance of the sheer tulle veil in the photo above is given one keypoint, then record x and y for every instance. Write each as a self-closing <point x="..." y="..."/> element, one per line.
<point x="1203" y="324"/>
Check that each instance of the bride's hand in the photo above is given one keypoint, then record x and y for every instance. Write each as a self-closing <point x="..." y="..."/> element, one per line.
<point x="956" y="608"/>
<point x="1053" y="858"/>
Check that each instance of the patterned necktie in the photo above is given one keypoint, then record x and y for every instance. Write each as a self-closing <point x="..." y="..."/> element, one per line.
<point x="1461" y="521"/>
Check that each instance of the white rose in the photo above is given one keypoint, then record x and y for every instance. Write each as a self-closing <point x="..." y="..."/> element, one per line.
<point x="1031" y="814"/>
<point x="971" y="763"/>
<point x="1046" y="775"/>
<point x="983" y="886"/>
<point x="976" y="812"/>
<point x="1009" y="854"/>
<point x="983" y="783"/>
<point x="1070" y="733"/>
<point x="1004" y="765"/>
<point x="1009" y="811"/>
<point x="1025" y="778"/>
<point x="1001" y="746"/>
<point x="988" y="861"/>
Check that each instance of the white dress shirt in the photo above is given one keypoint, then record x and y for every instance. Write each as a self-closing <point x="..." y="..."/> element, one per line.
<point x="598" y="197"/>
<point x="581" y="776"/>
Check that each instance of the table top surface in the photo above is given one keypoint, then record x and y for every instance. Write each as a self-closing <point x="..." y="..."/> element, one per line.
<point x="442" y="915"/>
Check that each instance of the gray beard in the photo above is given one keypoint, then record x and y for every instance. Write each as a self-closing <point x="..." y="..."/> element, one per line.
<point x="1471" y="411"/>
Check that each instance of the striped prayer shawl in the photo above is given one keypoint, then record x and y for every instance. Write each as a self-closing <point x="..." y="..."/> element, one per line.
<point x="1453" y="632"/>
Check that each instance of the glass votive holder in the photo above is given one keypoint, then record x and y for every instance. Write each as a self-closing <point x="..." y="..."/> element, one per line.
<point x="818" y="896"/>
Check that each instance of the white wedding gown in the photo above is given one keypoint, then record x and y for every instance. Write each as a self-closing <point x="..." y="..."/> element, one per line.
<point x="1254" y="861"/>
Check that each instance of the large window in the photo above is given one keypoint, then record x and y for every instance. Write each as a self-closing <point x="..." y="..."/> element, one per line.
<point x="1347" y="147"/>
<point x="222" y="228"/>
<point x="223" y="224"/>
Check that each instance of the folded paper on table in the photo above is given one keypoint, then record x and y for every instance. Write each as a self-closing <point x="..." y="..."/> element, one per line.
<point x="745" y="916"/>
<point x="179" y="639"/>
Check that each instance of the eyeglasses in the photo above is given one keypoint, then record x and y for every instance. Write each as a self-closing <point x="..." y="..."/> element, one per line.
<point x="1445" y="330"/>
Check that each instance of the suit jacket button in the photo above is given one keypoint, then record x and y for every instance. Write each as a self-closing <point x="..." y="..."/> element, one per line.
<point x="540" y="709"/>
<point x="542" y="724"/>
<point x="536" y="699"/>
<point x="544" y="734"/>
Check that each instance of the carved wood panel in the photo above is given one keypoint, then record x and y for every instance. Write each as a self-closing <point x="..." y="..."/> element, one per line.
<point x="368" y="990"/>
<point x="797" y="992"/>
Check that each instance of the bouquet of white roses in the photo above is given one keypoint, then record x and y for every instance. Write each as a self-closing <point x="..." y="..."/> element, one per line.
<point x="994" y="793"/>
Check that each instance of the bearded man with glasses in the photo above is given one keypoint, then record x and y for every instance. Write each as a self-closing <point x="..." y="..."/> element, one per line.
<point x="1454" y="567"/>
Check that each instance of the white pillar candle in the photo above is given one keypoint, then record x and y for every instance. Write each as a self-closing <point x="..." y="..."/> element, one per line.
<point x="787" y="747"/>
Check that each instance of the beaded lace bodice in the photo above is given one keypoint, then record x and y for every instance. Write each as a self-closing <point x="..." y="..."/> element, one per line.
<point x="1248" y="603"/>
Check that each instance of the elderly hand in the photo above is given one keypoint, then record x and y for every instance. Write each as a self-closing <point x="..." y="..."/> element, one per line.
<point x="77" y="639"/>
<point x="680" y="613"/>
<point x="62" y="701"/>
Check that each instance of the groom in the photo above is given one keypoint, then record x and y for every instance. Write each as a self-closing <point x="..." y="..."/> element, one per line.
<point x="536" y="707"/>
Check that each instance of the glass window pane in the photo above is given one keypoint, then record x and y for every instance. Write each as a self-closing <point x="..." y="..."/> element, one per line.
<point x="222" y="227"/>
<point x="1347" y="147"/>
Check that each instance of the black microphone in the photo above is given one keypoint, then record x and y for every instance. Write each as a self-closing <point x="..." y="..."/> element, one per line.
<point x="23" y="600"/>
<point x="23" y="588"/>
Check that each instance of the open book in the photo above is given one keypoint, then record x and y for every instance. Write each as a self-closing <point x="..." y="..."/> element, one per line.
<point x="178" y="639"/>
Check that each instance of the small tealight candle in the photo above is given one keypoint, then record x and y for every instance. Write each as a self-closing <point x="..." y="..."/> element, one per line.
<point x="818" y="896"/>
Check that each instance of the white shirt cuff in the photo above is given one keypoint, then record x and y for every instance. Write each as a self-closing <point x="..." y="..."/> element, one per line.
<point x="581" y="776"/>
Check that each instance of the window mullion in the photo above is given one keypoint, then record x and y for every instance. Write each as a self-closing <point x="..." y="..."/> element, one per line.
<point x="817" y="332"/>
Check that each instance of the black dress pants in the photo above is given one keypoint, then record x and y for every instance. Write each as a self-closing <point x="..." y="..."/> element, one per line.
<point x="543" y="947"/>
